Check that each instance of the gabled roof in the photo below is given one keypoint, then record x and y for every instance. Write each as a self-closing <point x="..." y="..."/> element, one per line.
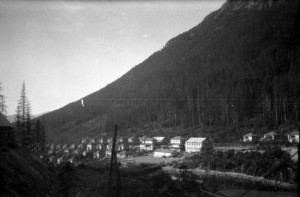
<point x="296" y="132"/>
<point x="158" y="137"/>
<point x="177" y="138"/>
<point x="249" y="135"/>
<point x="3" y="121"/>
<point x="271" y="133"/>
<point x="196" y="139"/>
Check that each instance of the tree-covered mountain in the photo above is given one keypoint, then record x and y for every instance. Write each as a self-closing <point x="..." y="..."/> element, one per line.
<point x="238" y="68"/>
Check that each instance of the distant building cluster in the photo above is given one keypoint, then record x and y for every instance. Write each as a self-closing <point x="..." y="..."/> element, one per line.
<point x="157" y="146"/>
<point x="93" y="147"/>
<point x="292" y="137"/>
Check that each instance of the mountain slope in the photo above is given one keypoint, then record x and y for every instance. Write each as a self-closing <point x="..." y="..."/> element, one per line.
<point x="237" y="67"/>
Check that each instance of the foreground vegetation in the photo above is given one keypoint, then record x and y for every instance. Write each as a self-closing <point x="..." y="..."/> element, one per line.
<point x="277" y="163"/>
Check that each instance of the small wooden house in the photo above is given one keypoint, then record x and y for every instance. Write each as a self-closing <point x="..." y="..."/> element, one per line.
<point x="98" y="146"/>
<point x="271" y="136"/>
<point x="250" y="137"/>
<point x="131" y="139"/>
<point x="64" y="146"/>
<point x="72" y="146"/>
<point x="59" y="160"/>
<point x="96" y="154"/>
<point x="293" y="137"/>
<point x="89" y="146"/>
<point x="147" y="144"/>
<point x="177" y="143"/>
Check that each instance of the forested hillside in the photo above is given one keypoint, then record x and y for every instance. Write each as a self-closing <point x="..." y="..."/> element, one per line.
<point x="238" y="68"/>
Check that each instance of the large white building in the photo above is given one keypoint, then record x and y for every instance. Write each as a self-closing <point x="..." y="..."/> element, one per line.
<point x="195" y="144"/>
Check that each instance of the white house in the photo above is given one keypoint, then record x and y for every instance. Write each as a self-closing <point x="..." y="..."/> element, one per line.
<point x="64" y="146"/>
<point x="98" y="146"/>
<point x="89" y="146"/>
<point x="109" y="146"/>
<point x="120" y="147"/>
<point x="109" y="140"/>
<point x="163" y="153"/>
<point x="71" y="159"/>
<point x="147" y="144"/>
<point x="120" y="140"/>
<point x="141" y="139"/>
<point x="176" y="142"/>
<point x="85" y="152"/>
<point x="100" y="140"/>
<point x="72" y="146"/>
<point x="293" y="136"/>
<point x="97" y="154"/>
<point x="108" y="152"/>
<point x="59" y="160"/>
<point x="50" y="152"/>
<point x="270" y="136"/>
<point x="250" y="137"/>
<point x="66" y="151"/>
<point x="83" y="140"/>
<point x="195" y="144"/>
<point x="122" y="154"/>
<point x="131" y="139"/>
<point x="80" y="146"/>
<point x="159" y="139"/>
<point x="92" y="140"/>
<point x="58" y="146"/>
<point x="51" y="159"/>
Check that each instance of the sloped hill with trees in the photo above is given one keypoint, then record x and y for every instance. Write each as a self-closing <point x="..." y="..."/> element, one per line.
<point x="238" y="68"/>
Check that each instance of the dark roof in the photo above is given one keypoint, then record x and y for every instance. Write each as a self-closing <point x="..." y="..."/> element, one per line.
<point x="3" y="121"/>
<point x="296" y="132"/>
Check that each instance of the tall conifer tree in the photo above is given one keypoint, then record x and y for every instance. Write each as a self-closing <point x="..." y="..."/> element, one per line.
<point x="23" y="118"/>
<point x="2" y="101"/>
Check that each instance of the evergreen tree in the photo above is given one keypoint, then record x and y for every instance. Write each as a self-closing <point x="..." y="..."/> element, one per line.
<point x="23" y="118"/>
<point x="2" y="101"/>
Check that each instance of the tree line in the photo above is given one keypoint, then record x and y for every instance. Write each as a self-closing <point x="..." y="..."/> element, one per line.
<point x="28" y="132"/>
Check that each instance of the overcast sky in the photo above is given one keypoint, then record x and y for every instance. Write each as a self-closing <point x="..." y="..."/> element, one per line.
<point x="67" y="50"/>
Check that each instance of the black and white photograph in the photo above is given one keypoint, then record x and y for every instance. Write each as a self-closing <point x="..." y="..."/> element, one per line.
<point x="149" y="98"/>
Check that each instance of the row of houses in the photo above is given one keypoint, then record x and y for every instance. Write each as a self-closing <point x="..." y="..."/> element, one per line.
<point x="144" y="143"/>
<point x="292" y="137"/>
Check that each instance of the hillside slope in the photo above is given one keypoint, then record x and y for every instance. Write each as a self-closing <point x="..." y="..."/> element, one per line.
<point x="22" y="173"/>
<point x="239" y="66"/>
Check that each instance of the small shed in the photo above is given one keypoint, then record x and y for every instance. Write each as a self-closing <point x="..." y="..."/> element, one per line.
<point x="250" y="137"/>
<point x="271" y="136"/>
<point x="293" y="137"/>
